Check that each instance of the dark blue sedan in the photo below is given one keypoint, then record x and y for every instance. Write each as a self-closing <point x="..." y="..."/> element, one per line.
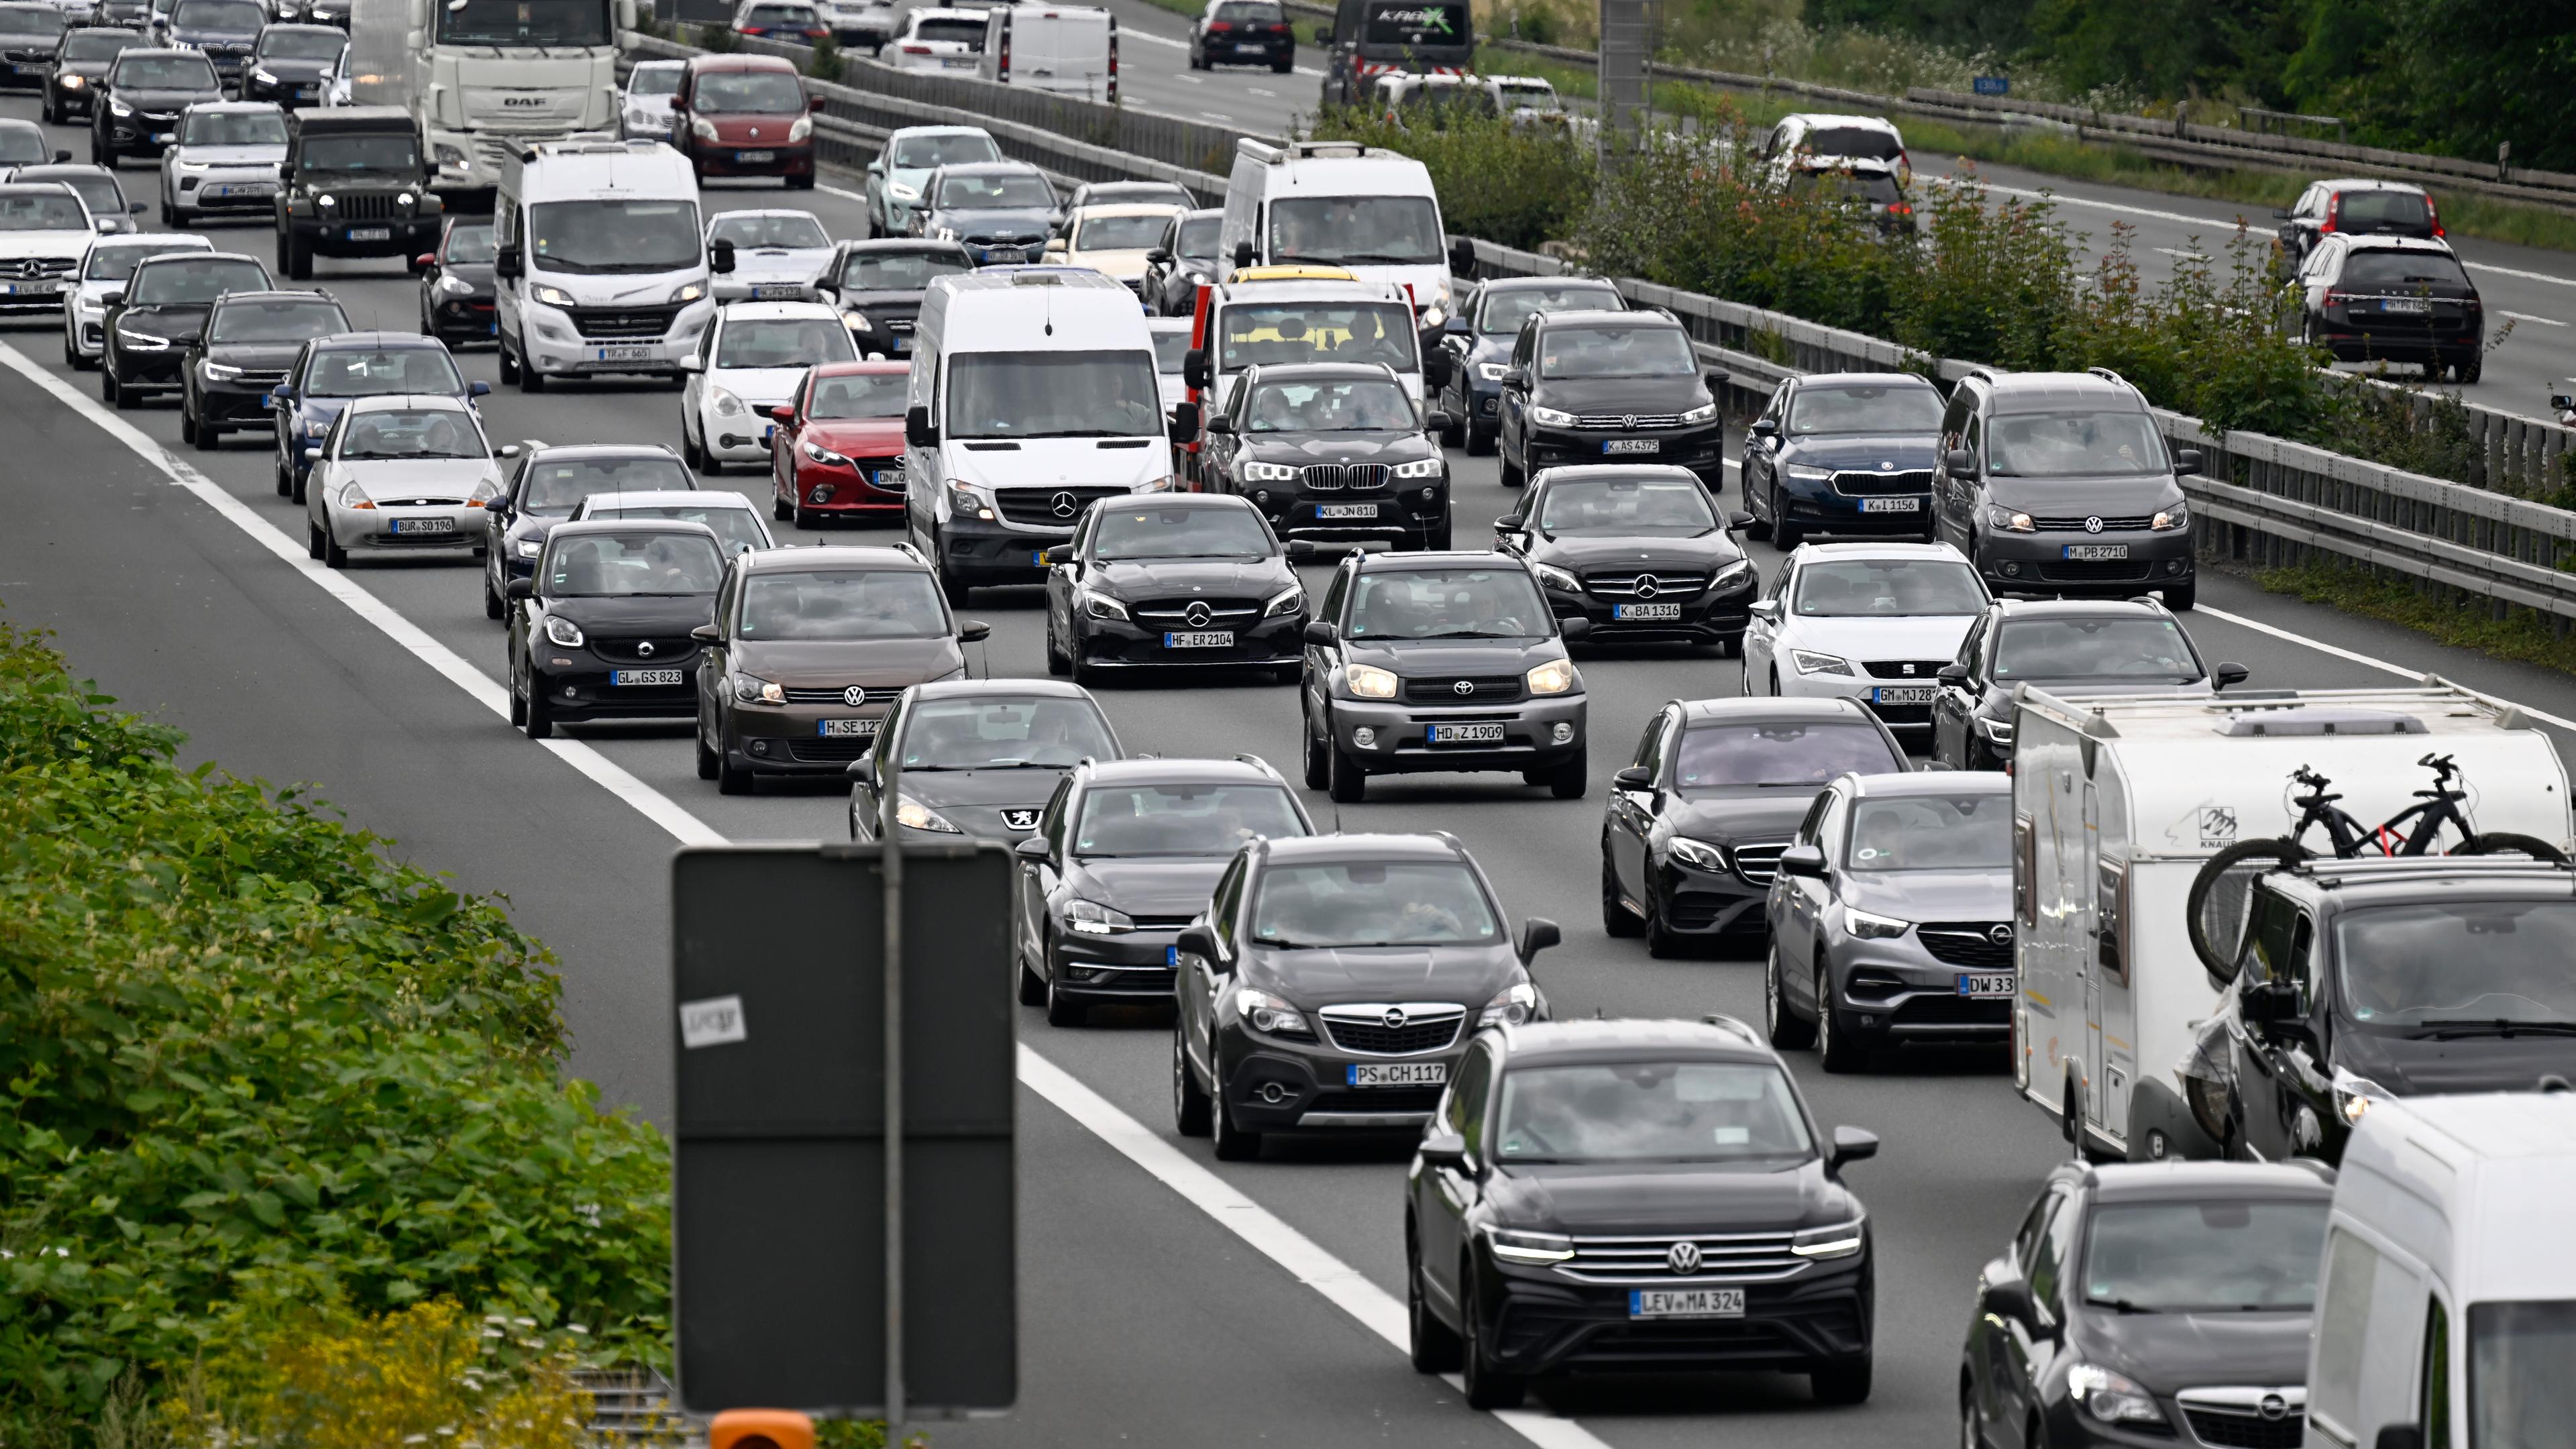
<point x="1844" y="453"/>
<point x="332" y="371"/>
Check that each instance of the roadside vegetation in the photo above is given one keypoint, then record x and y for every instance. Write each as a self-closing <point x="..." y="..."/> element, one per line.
<point x="2467" y="622"/>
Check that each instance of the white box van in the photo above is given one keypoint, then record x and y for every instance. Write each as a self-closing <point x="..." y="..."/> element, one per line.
<point x="1342" y="204"/>
<point x="2446" y="1315"/>
<point x="1033" y="394"/>
<point x="2118" y="800"/>
<point x="599" y="261"/>
<point x="1071" y="50"/>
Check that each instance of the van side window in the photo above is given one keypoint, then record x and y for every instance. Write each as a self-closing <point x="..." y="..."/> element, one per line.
<point x="1954" y="419"/>
<point x="2433" y="1405"/>
<point x="1973" y="440"/>
<point x="2343" y="1331"/>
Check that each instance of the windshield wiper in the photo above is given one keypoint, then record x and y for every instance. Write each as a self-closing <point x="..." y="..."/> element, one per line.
<point x="1384" y="258"/>
<point x="1469" y="634"/>
<point x="2446" y="1030"/>
<point x="2121" y="1305"/>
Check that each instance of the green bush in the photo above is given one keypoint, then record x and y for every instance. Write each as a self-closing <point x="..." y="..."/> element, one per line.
<point x="248" y="1058"/>
<point x="1506" y="184"/>
<point x="825" y="63"/>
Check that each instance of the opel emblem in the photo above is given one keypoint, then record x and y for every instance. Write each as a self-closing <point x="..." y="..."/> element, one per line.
<point x="1394" y="1018"/>
<point x="1065" y="505"/>
<point x="2093" y="525"/>
<point x="1464" y="686"/>
<point x="1629" y="421"/>
<point x="854" y="696"/>
<point x="1197" y="614"/>
<point x="1683" y="1257"/>
<point x="644" y="650"/>
<point x="2273" y="1406"/>
<point x="2000" y="935"/>
<point x="1646" y="586"/>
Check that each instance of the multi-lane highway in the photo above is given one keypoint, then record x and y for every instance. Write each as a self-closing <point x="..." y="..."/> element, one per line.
<point x="1167" y="1299"/>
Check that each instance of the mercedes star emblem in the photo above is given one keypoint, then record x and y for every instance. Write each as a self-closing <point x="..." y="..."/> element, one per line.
<point x="1197" y="614"/>
<point x="1683" y="1257"/>
<point x="1394" y="1018"/>
<point x="1464" y="686"/>
<point x="1065" y="505"/>
<point x="854" y="696"/>
<point x="2093" y="525"/>
<point x="644" y="650"/>
<point x="1646" y="586"/>
<point x="2000" y="935"/>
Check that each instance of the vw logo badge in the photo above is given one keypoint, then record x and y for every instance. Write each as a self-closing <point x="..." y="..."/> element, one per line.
<point x="1646" y="586"/>
<point x="2274" y="1407"/>
<point x="1683" y="1257"/>
<point x="2093" y="525"/>
<point x="1197" y="614"/>
<point x="1065" y="505"/>
<point x="1464" y="686"/>
<point x="644" y="650"/>
<point x="854" y="696"/>
<point x="2000" y="935"/>
<point x="1629" y="421"/>
<point x="1394" y="1018"/>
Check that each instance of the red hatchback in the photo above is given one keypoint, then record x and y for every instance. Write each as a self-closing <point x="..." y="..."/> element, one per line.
<point x="745" y="115"/>
<point x="838" y="448"/>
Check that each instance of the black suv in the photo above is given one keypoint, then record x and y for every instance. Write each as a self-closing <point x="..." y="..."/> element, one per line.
<point x="136" y="110"/>
<point x="2058" y="483"/>
<point x="546" y="485"/>
<point x="160" y="313"/>
<point x="78" y="70"/>
<point x="878" y="285"/>
<point x="250" y="341"/>
<point x="30" y="34"/>
<point x="223" y="31"/>
<point x="1179" y="579"/>
<point x="2068" y="647"/>
<point x="1332" y="451"/>
<point x="2355" y="208"/>
<point x="1846" y="453"/>
<point x="1000" y="211"/>
<point x="1598" y="387"/>
<point x="1335" y="982"/>
<point x="1635" y="1195"/>
<point x="1184" y="261"/>
<point x="1640" y="550"/>
<point x="1126" y="854"/>
<point x="294" y="64"/>
<point x="2392" y="299"/>
<point x="353" y="184"/>
<point x="602" y="631"/>
<point x="1479" y="337"/>
<point x="1440" y="661"/>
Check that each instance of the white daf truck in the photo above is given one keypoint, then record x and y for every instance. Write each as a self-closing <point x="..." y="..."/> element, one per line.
<point x="484" y="75"/>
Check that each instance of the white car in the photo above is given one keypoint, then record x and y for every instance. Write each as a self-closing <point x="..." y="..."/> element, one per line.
<point x="1807" y="141"/>
<point x="778" y="256"/>
<point x="939" y="40"/>
<point x="750" y="361"/>
<point x="45" y="228"/>
<point x="401" y="472"/>
<point x="857" y="23"/>
<point x="1875" y="622"/>
<point x="1112" y="240"/>
<point x="107" y="268"/>
<point x="644" y="111"/>
<point x="224" y="162"/>
<point x="737" y="525"/>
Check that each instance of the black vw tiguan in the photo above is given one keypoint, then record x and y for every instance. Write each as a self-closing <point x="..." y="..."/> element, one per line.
<point x="1608" y="387"/>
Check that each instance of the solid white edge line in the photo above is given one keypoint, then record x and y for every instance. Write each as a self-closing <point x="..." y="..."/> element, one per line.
<point x="1257" y="1226"/>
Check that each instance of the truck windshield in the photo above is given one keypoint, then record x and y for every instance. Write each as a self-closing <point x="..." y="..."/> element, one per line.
<point x="1355" y="231"/>
<point x="523" y="22"/>
<point x="614" y="236"/>
<point x="2521" y="1394"/>
<point x="2475" y="966"/>
<point x="1054" y="395"/>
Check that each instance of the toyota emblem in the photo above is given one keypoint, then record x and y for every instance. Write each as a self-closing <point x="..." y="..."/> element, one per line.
<point x="1683" y="1257"/>
<point x="854" y="696"/>
<point x="644" y="650"/>
<point x="2273" y="1407"/>
<point x="1630" y="421"/>
<point x="2093" y="525"/>
<point x="1394" y="1018"/>
<point x="1646" y="586"/>
<point x="1198" y="614"/>
<point x="2001" y="935"/>
<point x="1065" y="505"/>
<point x="1464" y="686"/>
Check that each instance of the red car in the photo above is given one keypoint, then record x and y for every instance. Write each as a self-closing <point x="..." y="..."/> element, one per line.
<point x="745" y="115"/>
<point x="838" y="449"/>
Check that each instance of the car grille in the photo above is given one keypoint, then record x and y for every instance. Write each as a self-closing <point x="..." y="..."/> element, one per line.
<point x="1729" y="1257"/>
<point x="867" y="696"/>
<point x="1967" y="943"/>
<point x="1624" y="422"/>
<point x="1644" y="586"/>
<point x="1213" y="612"/>
<point x="1327" y="477"/>
<point x="1872" y="485"/>
<point x="1033" y="240"/>
<point x="1050" y="507"/>
<point x="622" y="321"/>
<point x="2081" y="523"/>
<point x="828" y="749"/>
<point x="1363" y="1028"/>
<point x="1481" y="689"/>
<point x="659" y="650"/>
<point x="20" y="56"/>
<point x="2234" y="1419"/>
<point x="2094" y="571"/>
<point x="1910" y="716"/>
<point x="1922" y="669"/>
<point x="364" y="206"/>
<point x="266" y="377"/>
<point x="1757" y="863"/>
<point x="448" y="502"/>
<point x="896" y="324"/>
<point x="33" y="269"/>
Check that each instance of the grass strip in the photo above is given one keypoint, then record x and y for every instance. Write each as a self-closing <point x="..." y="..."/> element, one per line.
<point x="2523" y="635"/>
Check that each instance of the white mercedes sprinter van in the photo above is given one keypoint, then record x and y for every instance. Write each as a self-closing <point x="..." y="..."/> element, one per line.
<point x="1342" y="204"/>
<point x="1071" y="50"/>
<point x="599" y="261"/>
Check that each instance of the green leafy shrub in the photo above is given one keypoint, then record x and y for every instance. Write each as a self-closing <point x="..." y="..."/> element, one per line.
<point x="1512" y="185"/>
<point x="825" y="63"/>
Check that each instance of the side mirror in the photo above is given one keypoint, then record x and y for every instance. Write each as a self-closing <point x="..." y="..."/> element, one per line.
<point x="521" y="589"/>
<point x="1952" y="674"/>
<point x="1766" y="610"/>
<point x="1448" y="1149"/>
<point x="720" y="257"/>
<point x="482" y="389"/>
<point x="113" y="297"/>
<point x="2009" y="1298"/>
<point x="917" y="431"/>
<point x="505" y="264"/>
<point x="2279" y="214"/>
<point x="1243" y="253"/>
<point x="1634" y="777"/>
<point x="1185" y="422"/>
<point x="2186" y="462"/>
<point x="707" y="634"/>
<point x="1537" y="934"/>
<point x="1960" y="462"/>
<point x="63" y="157"/>
<point x="1739" y="519"/>
<point x="1199" y="940"/>
<point x="784" y="412"/>
<point x="1158" y="256"/>
<point x="1435" y="368"/>
<point x="1807" y="862"/>
<point x="1322" y="635"/>
<point x="2229" y="672"/>
<point x="2399" y="1436"/>
<point x="1057" y="553"/>
<point x="284" y="392"/>
<point x="1577" y="627"/>
<point x="974" y="631"/>
<point x="1852" y="1144"/>
<point x="2563" y="402"/>
<point x="1300" y="549"/>
<point x="106" y="224"/>
<point x="138" y="208"/>
<point x="424" y="261"/>
<point x="1054" y="245"/>
<point x="693" y="364"/>
<point x="1764" y="428"/>
<point x="1220" y="426"/>
<point x="1436" y="421"/>
<point x="1033" y="849"/>
<point x="1459" y="325"/>
<point x="313" y="455"/>
<point x="1516" y="377"/>
<point x="815" y="104"/>
<point x="2265" y="1004"/>
<point x="864" y="766"/>
<point x="1194" y="368"/>
<point x="1717" y="380"/>
<point x="1462" y="257"/>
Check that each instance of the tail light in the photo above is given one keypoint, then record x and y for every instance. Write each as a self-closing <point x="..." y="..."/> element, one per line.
<point x="2334" y="213"/>
<point x="1216" y="25"/>
<point x="1002" y="60"/>
<point x="1899" y="208"/>
<point x="916" y="50"/>
<point x="2433" y="215"/>
<point x="1113" y="63"/>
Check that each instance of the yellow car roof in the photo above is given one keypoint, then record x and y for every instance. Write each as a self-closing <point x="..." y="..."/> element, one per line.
<point x="1295" y="274"/>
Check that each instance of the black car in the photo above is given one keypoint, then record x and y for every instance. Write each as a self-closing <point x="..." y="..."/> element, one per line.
<point x="1843" y="453"/>
<point x="1334" y="983"/>
<point x="1127" y="853"/>
<point x="2150" y="1304"/>
<point x="602" y="630"/>
<point x="1173" y="580"/>
<point x="1598" y="387"/>
<point x="1331" y="451"/>
<point x="1440" y="661"/>
<point x="159" y="314"/>
<point x="1635" y="1195"/>
<point x="30" y="36"/>
<point x="133" y="15"/>
<point x="878" y="286"/>
<point x="294" y="65"/>
<point x="1640" y="550"/>
<point x="456" y="284"/>
<point x="1243" y="32"/>
<point x="79" y="68"/>
<point x="249" y="342"/>
<point x="1000" y="211"/>
<point x="138" y="106"/>
<point x="331" y="371"/>
<point x="354" y="184"/>
<point x="2392" y="299"/>
<point x="99" y="191"/>
<point x="2355" y="208"/>
<point x="1182" y="262"/>
<point x="223" y="31"/>
<point x="2067" y="647"/>
<point x="976" y="757"/>
<point x="546" y="485"/>
<point x="1698" y="820"/>
<point x="1479" y="337"/>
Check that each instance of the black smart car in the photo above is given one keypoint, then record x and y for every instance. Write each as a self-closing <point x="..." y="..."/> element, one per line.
<point x="1173" y="580"/>
<point x="1843" y="453"/>
<point x="79" y="68"/>
<point x="2067" y="647"/>
<point x="1000" y="211"/>
<point x="1332" y="451"/>
<point x="354" y="184"/>
<point x="294" y="65"/>
<point x="1640" y="550"/>
<point x="136" y="112"/>
<point x="160" y="313"/>
<point x="1334" y="983"/>
<point x="1125" y="855"/>
<point x="456" y="283"/>
<point x="547" y="484"/>
<point x="1635" y="1195"/>
<point x="603" y="629"/>
<point x="1601" y="387"/>
<point x="1440" y="661"/>
<point x="1479" y="336"/>
<point x="249" y="342"/>
<point x="976" y="757"/>
<point x="878" y="286"/>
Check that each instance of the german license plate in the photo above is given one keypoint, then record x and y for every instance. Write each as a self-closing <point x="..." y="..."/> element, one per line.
<point x="30" y="289"/>
<point x="306" y="93"/>
<point x="1986" y="983"/>
<point x="959" y="62"/>
<point x="1006" y="256"/>
<point x="1200" y="639"/>
<point x="164" y="138"/>
<point x="1645" y="611"/>
<point x="371" y="233"/>
<point x="1616" y="446"/>
<point x="2416" y="306"/>
<point x="625" y="354"/>
<point x="773" y="290"/>
<point x="747" y="157"/>
<point x="863" y="729"/>
<point x="2097" y="552"/>
<point x="1902" y="694"/>
<point x="623" y="677"/>
<point x="1397" y="1074"/>
<point x="26" y="70"/>
<point x="424" y="525"/>
<point x="1490" y="733"/>
<point x="216" y="193"/>
<point x="1685" y="1303"/>
<point x="1345" y="510"/>
<point x="889" y="479"/>
<point x="1891" y="505"/>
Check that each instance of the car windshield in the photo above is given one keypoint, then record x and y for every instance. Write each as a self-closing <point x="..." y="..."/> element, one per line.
<point x="1119" y="233"/>
<point x="2401" y="269"/>
<point x="395" y="155"/>
<point x="278" y="43"/>
<point x="1179" y="532"/>
<point x="1251" y="12"/>
<point x="192" y="281"/>
<point x="226" y="16"/>
<point x="615" y="236"/>
<point x="1502" y="312"/>
<point x="1001" y="734"/>
<point x="266" y="321"/>
<point x="2150" y="651"/>
<point x="1569" y="352"/>
<point x="1054" y="395"/>
<point x="969" y="33"/>
<point x="736" y="528"/>
<point x="470" y="245"/>
<point x="1651" y="1112"/>
<point x="1398" y="903"/>
<point x="98" y="44"/>
<point x="1665" y="507"/>
<point x="163" y="73"/>
<point x="1897" y="409"/>
<point x="233" y="128"/>
<point x="612" y="565"/>
<point x="769" y="229"/>
<point x="858" y="395"/>
<point x="2369" y="210"/>
<point x="960" y="148"/>
<point x="2205" y="1257"/>
<point x="1465" y="603"/>
<point x="654" y="80"/>
<point x="996" y="191"/>
<point x="1356" y="230"/>
<point x="1135" y="193"/>
<point x="1341" y="405"/>
<point x="2074" y="445"/>
<point x="1127" y="820"/>
<point x="2521" y="1393"/>
<point x="771" y="17"/>
<point x="749" y="93"/>
<point x="842" y="604"/>
<point x="382" y="372"/>
<point x="21" y="144"/>
<point x="1888" y="588"/>
<point x="1860" y="141"/>
<point x="42" y="209"/>
<point x="412" y="433"/>
<point x="2461" y="962"/>
<point x="97" y="188"/>
<point x="524" y="22"/>
<point x="899" y="271"/>
<point x="1199" y="235"/>
<point x="1932" y="832"/>
<point x="1253" y="334"/>
<point x="116" y="264"/>
<point x="767" y="342"/>
<point x="1171" y="350"/>
<point x="1530" y="96"/>
<point x="15" y="21"/>
<point x="1801" y="754"/>
<point x="552" y="489"/>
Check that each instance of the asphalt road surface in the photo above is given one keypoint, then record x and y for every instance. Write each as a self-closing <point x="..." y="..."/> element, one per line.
<point x="1167" y="1299"/>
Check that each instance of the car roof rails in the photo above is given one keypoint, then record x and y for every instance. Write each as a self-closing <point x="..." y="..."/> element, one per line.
<point x="906" y="548"/>
<point x="2107" y="375"/>
<point x="1258" y="763"/>
<point x="1733" y="1025"/>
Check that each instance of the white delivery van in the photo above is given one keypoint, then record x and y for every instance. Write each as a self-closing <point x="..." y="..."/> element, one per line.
<point x="2117" y="802"/>
<point x="1342" y="204"/>
<point x="599" y="261"/>
<point x="1071" y="50"/>
<point x="2446" y="1315"/>
<point x="1033" y="394"/>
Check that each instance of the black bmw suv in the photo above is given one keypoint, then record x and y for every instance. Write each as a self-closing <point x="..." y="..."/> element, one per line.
<point x="1332" y="451"/>
<point x="1600" y="387"/>
<point x="136" y="110"/>
<point x="1640" y="550"/>
<point x="250" y="341"/>
<point x="1848" y="454"/>
<point x="1166" y="580"/>
<point x="1635" y="1195"/>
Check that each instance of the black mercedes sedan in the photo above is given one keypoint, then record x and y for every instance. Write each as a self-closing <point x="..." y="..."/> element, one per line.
<point x="1332" y="451"/>
<point x="138" y="106"/>
<point x="160" y="313"/>
<point x="456" y="305"/>
<point x="878" y="286"/>
<point x="1599" y="387"/>
<point x="2150" y="1304"/>
<point x="602" y="630"/>
<point x="249" y="342"/>
<point x="294" y="65"/>
<point x="79" y="67"/>
<point x="1188" y="580"/>
<point x="1638" y="549"/>
<point x="1844" y="453"/>
<point x="1000" y="211"/>
<point x="1479" y="336"/>
<point x="1126" y="854"/>
<point x="1635" y="1196"/>
<point x="975" y="758"/>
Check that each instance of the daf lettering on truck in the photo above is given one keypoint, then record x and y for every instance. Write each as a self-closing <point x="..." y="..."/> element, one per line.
<point x="598" y="261"/>
<point x="483" y="76"/>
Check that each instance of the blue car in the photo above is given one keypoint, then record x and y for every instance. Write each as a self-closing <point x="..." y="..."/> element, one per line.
<point x="1844" y="453"/>
<point x="1479" y="338"/>
<point x="331" y="371"/>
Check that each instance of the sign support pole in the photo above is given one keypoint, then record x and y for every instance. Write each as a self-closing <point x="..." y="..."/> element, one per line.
<point x="890" y="846"/>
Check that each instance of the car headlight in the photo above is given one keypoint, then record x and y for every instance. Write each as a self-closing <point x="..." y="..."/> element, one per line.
<point x="1806" y="474"/>
<point x="1370" y="682"/>
<point x="2011" y="522"/>
<point x="1434" y="315"/>
<point x="1700" y="414"/>
<point x="2178" y="516"/>
<point x="802" y="129"/>
<point x="1551" y="418"/>
<point x="688" y="292"/>
<point x="1264" y="1012"/>
<point x="1996" y="731"/>
<point x="483" y="494"/>
<point x="638" y="117"/>
<point x="563" y="631"/>
<point x="219" y="371"/>
<point x="903" y="191"/>
<point x="551" y="296"/>
<point x="913" y="815"/>
<point x="1536" y="1249"/>
<point x="1737" y="575"/>
<point x="1515" y="1004"/>
<point x="315" y="427"/>
<point x="821" y="454"/>
<point x="702" y="128"/>
<point x="725" y="403"/>
<point x="116" y="107"/>
<point x="1254" y="471"/>
<point x="1492" y="371"/>
<point x="1419" y="468"/>
<point x="2353" y="1096"/>
<point x="1091" y="918"/>
<point x="456" y="286"/>
<point x="1156" y="485"/>
<point x="1101" y="606"/>
<point x="191" y="168"/>
<point x="1557" y="578"/>
<point x="326" y="199"/>
<point x="1873" y="928"/>
<point x="1698" y="854"/>
<point x="1556" y="676"/>
<point x="142" y="341"/>
<point x="1839" y="1240"/>
<point x="857" y="321"/>
<point x="74" y="82"/>
<point x="1289" y="600"/>
<point x="752" y="689"/>
<point x="1808" y="661"/>
<point x="531" y="547"/>
<point x="965" y="500"/>
<point x="2111" y="1398"/>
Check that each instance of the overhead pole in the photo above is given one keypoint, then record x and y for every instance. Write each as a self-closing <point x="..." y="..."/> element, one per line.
<point x="1624" y="44"/>
<point x="890" y="846"/>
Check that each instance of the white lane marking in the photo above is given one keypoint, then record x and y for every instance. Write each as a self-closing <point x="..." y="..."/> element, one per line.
<point x="857" y="196"/>
<point x="2527" y="317"/>
<point x="2382" y="665"/>
<point x="1258" y="91"/>
<point x="1375" y="1308"/>
<point x="1193" y="80"/>
<point x="2186" y="255"/>
<point x="1218" y="116"/>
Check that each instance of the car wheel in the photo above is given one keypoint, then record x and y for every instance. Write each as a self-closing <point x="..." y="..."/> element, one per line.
<point x="1488" y="1386"/>
<point x="1319" y="768"/>
<point x="1058" y="662"/>
<point x="1760" y="527"/>
<point x="1480" y="441"/>
<point x="312" y="539"/>
<point x="1191" y="1114"/>
<point x="1344" y="780"/>
<point x="540" y="720"/>
<point x="803" y="517"/>
<point x="708" y="760"/>
<point x="518" y="700"/>
<point x="1662" y="941"/>
<point x="108" y="392"/>
<point x="1435" y="1345"/>
<point x="1454" y="435"/>
<point x="1512" y="475"/>
<point x="1435" y="536"/>
<point x="491" y="597"/>
<point x="188" y="425"/>
<point x="731" y="779"/>
<point x="1283" y="66"/>
<point x="1972" y="1426"/>
<point x="1835" y="1049"/>
<point x="1233" y="1144"/>
<point x="1731" y="646"/>
<point x="1082" y="670"/>
<point x="951" y="590"/>
<point x="2471" y="370"/>
<point x="1785" y="533"/>
<point x="1781" y="1024"/>
<point x="1059" y="1010"/>
<point x="295" y="257"/>
<point x="530" y="380"/>
<point x="1033" y="990"/>
<point x="1569" y="780"/>
<point x="297" y="483"/>
<point x="1846" y="1382"/>
<point x="333" y="555"/>
<point x="508" y="363"/>
<point x="1616" y="918"/>
<point x="2181" y="597"/>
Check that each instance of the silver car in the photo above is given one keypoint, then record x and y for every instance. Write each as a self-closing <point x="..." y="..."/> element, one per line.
<point x="644" y="111"/>
<point x="107" y="268"/>
<point x="737" y="524"/>
<point x="1892" y="917"/>
<point x="778" y="255"/>
<point x="402" y="472"/>
<point x="224" y="162"/>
